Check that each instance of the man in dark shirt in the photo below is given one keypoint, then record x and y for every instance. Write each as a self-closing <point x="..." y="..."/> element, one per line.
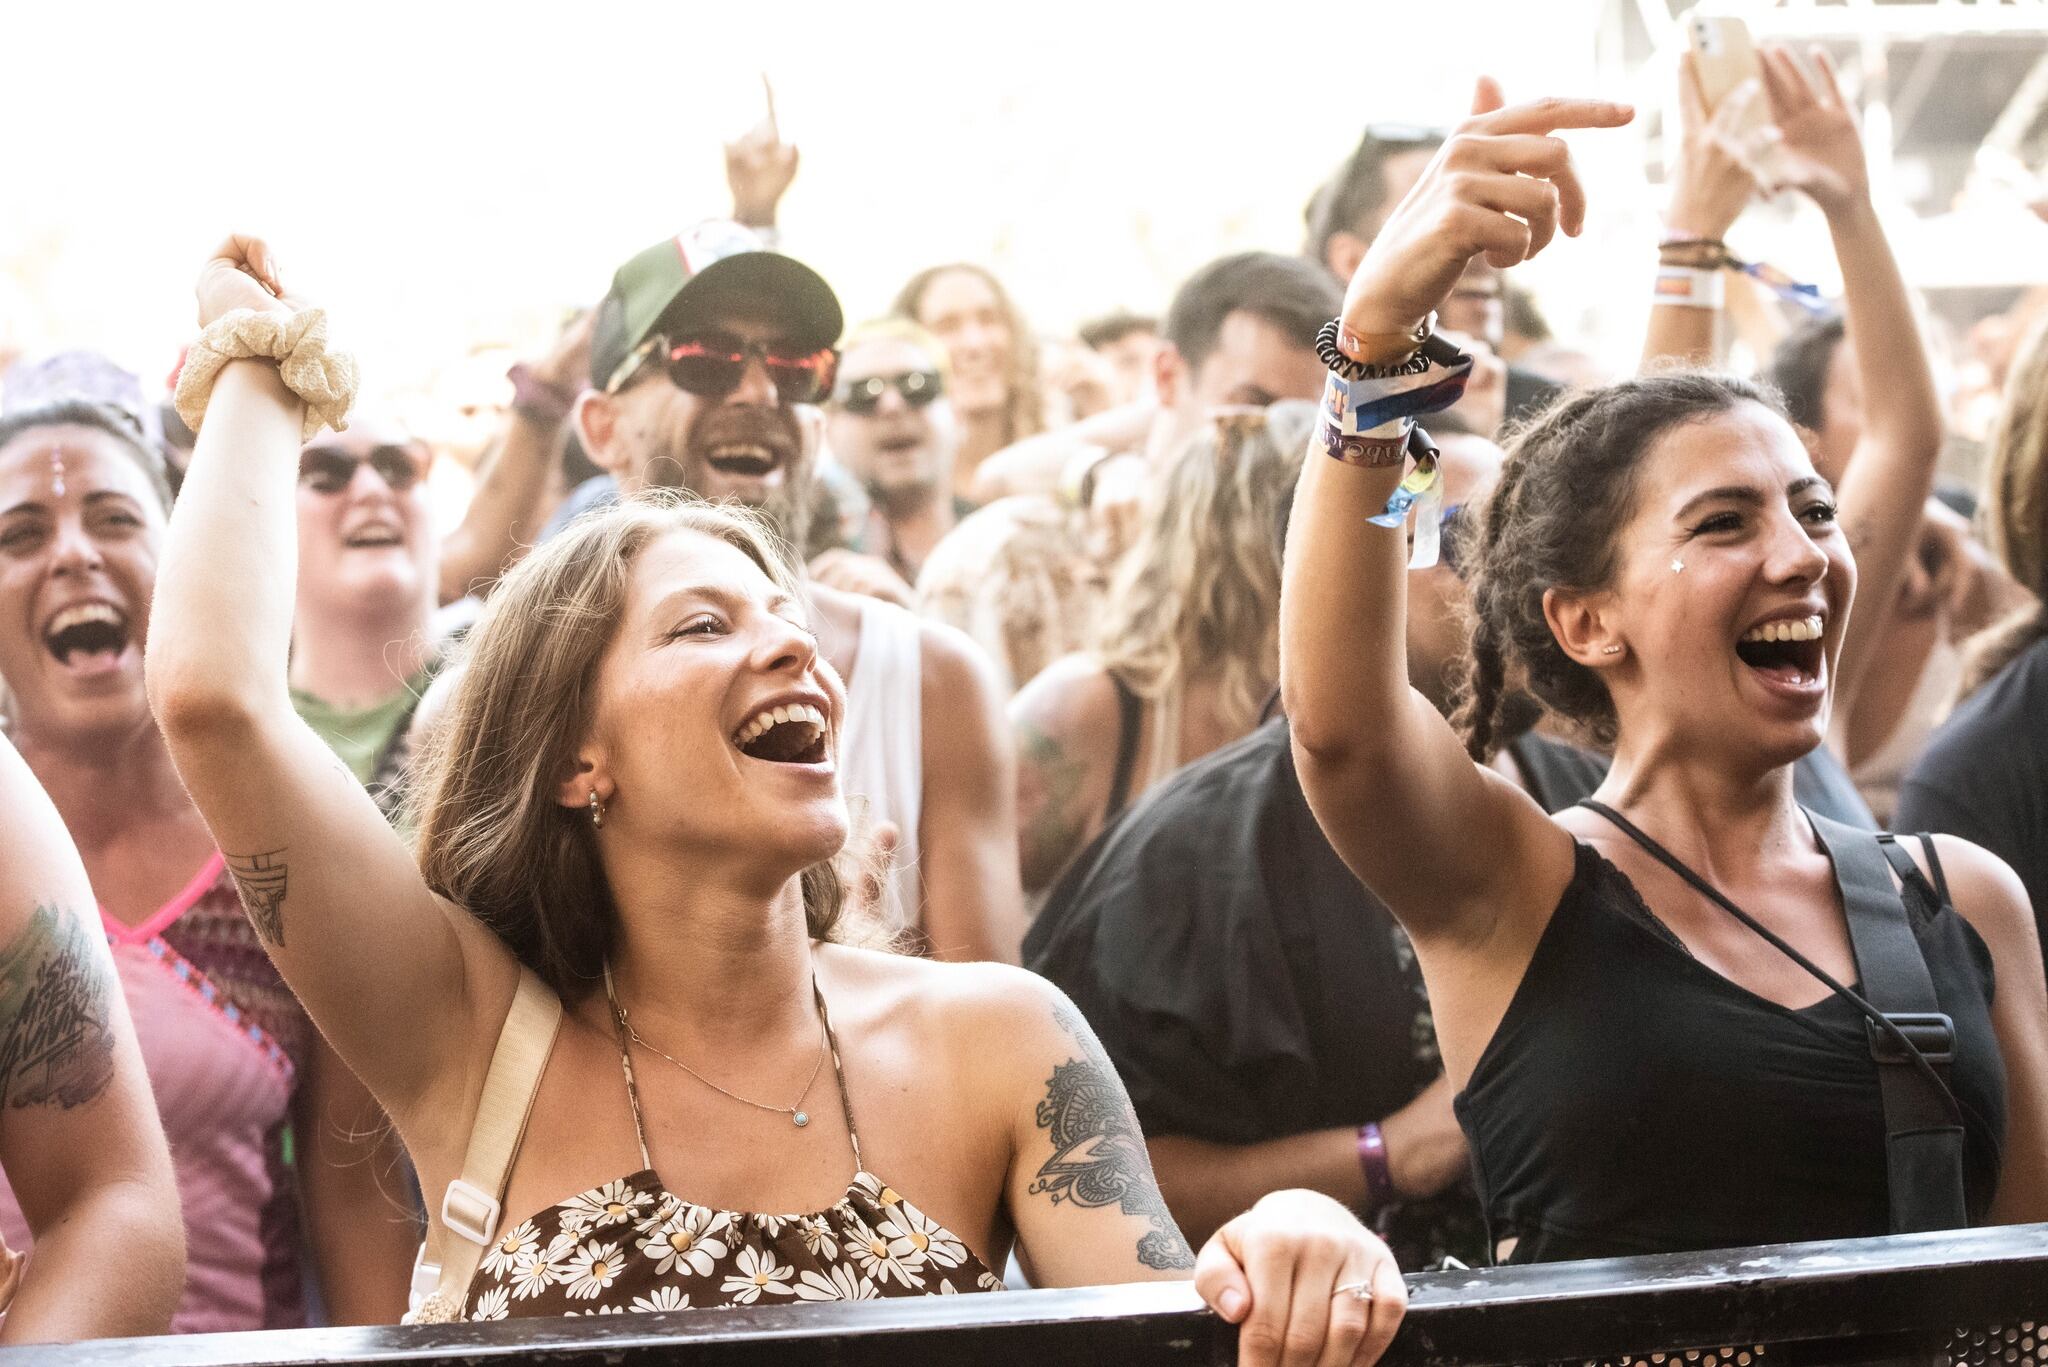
<point x="1984" y="775"/>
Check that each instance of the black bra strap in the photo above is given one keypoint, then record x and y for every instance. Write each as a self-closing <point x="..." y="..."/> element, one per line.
<point x="1130" y="713"/>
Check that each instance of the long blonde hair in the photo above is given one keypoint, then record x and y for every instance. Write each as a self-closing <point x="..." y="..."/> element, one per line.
<point x="1199" y="594"/>
<point x="2016" y="512"/>
<point x="491" y="835"/>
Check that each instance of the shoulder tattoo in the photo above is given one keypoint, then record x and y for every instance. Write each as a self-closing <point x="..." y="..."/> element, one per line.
<point x="1099" y="1156"/>
<point x="260" y="878"/>
<point x="56" y="1030"/>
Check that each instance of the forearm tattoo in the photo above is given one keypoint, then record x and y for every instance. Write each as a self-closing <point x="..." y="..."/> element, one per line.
<point x="1099" y="1156"/>
<point x="260" y="878"/>
<point x="56" y="1031"/>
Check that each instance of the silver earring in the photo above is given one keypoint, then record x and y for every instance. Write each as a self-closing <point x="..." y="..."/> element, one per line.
<point x="1604" y="650"/>
<point x="1678" y="567"/>
<point x="596" y="810"/>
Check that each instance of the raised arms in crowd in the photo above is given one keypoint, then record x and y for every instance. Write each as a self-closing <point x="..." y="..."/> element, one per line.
<point x="1718" y="530"/>
<point x="1815" y="148"/>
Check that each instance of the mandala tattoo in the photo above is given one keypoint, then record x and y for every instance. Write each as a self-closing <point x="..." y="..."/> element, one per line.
<point x="1099" y="1156"/>
<point x="56" y="1035"/>
<point x="260" y="878"/>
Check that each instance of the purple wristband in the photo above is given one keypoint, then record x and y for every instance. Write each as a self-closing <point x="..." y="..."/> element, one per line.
<point x="545" y="404"/>
<point x="1372" y="1160"/>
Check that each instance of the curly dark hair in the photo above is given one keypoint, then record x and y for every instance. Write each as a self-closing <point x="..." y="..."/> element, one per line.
<point x="1566" y="490"/>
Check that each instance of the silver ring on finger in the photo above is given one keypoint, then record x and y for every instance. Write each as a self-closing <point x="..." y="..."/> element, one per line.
<point x="1358" y="1291"/>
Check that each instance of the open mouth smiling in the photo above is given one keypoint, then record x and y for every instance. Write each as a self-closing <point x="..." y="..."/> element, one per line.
<point x="742" y="459"/>
<point x="85" y="635"/>
<point x="790" y="733"/>
<point x="1787" y="652"/>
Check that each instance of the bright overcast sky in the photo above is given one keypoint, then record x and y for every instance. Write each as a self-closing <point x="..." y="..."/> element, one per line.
<point x="443" y="175"/>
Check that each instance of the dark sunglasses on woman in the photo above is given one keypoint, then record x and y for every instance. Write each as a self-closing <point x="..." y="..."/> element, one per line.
<point x="915" y="387"/>
<point x="329" y="470"/>
<point x="712" y="366"/>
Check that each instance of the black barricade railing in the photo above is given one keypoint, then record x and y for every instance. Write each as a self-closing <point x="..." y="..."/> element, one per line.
<point x="1976" y="1297"/>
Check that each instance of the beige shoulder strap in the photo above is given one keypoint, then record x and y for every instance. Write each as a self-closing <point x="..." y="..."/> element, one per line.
<point x="467" y="1221"/>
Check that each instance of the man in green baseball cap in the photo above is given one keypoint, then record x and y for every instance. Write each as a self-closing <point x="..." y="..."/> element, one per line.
<point x="700" y="354"/>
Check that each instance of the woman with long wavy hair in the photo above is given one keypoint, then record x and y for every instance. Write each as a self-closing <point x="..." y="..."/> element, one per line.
<point x="621" y="897"/>
<point x="1187" y="649"/>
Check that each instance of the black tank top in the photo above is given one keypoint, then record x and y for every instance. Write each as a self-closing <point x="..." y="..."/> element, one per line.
<point x="1633" y="1100"/>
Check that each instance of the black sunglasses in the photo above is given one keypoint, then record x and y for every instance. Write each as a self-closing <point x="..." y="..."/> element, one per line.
<point x="713" y="366"/>
<point x="325" y="470"/>
<point x="915" y="387"/>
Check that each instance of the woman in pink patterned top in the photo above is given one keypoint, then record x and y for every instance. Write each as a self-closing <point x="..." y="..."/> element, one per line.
<point x="254" y="1103"/>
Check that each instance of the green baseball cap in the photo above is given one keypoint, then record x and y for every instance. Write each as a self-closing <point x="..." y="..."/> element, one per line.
<point x="687" y="281"/>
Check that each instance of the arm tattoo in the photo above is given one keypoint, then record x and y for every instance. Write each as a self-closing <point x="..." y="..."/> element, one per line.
<point x="260" y="878"/>
<point x="1099" y="1156"/>
<point x="56" y="1033"/>
<point x="1051" y="835"/>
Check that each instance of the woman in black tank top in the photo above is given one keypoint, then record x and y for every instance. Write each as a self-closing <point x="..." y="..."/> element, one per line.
<point x="1665" y="1013"/>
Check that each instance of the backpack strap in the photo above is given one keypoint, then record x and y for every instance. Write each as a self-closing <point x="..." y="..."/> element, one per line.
<point x="1923" y="1124"/>
<point x="470" y="1210"/>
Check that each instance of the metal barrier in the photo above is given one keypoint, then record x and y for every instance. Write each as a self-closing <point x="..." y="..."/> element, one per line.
<point x="1974" y="1298"/>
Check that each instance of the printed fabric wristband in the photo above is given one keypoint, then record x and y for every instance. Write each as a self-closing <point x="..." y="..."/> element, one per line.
<point x="324" y="380"/>
<point x="1368" y="410"/>
<point x="1372" y="1161"/>
<point x="1689" y="287"/>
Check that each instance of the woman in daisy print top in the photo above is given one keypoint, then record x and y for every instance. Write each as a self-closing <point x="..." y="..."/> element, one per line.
<point x="632" y="796"/>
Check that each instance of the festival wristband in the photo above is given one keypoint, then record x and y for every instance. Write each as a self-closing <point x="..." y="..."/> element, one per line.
<point x="1374" y="453"/>
<point x="1688" y="287"/>
<point x="1372" y="1161"/>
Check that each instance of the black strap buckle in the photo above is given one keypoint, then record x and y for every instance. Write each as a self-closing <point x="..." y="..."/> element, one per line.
<point x="1931" y="1033"/>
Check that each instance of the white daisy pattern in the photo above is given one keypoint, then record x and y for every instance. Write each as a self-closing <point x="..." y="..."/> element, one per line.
<point x="505" y="1250"/>
<point x="883" y="1258"/>
<point x="694" y="1238"/>
<point x="593" y="1267"/>
<point x="632" y="1246"/>
<point x="819" y="1240"/>
<point x="537" y="1269"/>
<point x="614" y="1203"/>
<point x="757" y="1271"/>
<point x="837" y="1283"/>
<point x="925" y="1236"/>
<point x="662" y="1298"/>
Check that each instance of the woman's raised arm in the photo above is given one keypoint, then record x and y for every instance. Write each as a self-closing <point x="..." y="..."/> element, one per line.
<point x="1443" y="842"/>
<point x="398" y="980"/>
<point x="1891" y="473"/>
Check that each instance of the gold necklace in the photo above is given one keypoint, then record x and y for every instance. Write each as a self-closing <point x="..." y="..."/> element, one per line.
<point x="797" y="1115"/>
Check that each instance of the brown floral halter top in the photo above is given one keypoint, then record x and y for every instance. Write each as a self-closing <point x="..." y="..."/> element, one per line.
<point x="633" y="1245"/>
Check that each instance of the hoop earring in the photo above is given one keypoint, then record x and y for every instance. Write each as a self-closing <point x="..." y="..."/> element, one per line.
<point x="596" y="810"/>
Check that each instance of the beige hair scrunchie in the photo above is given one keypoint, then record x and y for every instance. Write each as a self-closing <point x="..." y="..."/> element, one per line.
<point x="325" y="379"/>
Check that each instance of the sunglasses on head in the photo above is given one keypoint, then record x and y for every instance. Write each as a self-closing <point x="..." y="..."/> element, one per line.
<point x="327" y="470"/>
<point x="713" y="365"/>
<point x="915" y="387"/>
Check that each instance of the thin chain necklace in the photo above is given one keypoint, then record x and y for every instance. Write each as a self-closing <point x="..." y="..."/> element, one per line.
<point x="797" y="1115"/>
